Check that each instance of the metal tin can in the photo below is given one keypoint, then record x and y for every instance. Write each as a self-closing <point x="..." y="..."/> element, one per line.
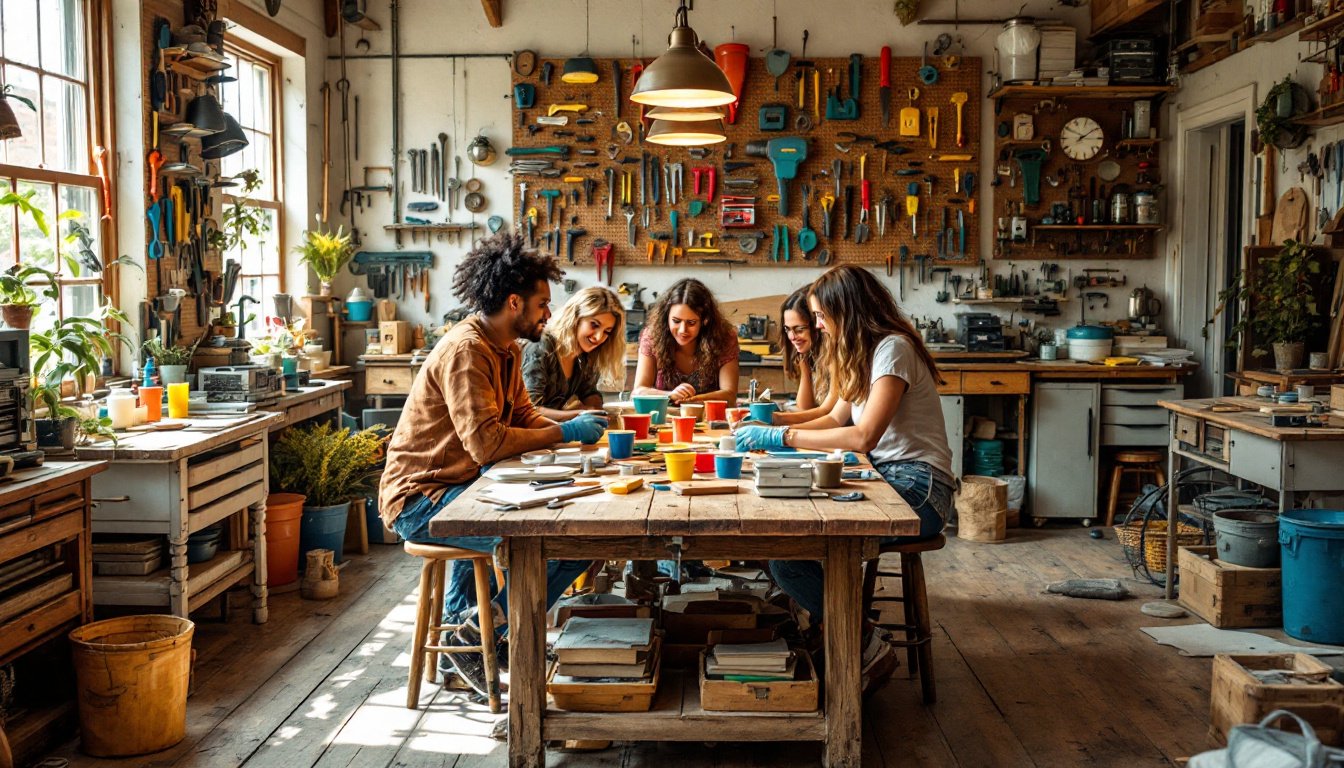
<point x="1120" y="208"/>
<point x="1145" y="208"/>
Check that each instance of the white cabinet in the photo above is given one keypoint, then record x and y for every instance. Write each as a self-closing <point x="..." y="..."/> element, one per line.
<point x="954" y="422"/>
<point x="1062" y="470"/>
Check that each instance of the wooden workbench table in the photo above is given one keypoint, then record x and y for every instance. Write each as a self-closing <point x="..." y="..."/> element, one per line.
<point x="320" y="398"/>
<point x="644" y="526"/>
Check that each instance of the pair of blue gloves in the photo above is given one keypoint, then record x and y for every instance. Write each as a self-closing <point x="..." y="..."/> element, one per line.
<point x="759" y="437"/>
<point x="586" y="428"/>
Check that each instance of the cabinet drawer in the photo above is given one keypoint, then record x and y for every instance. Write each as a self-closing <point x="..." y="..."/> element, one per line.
<point x="1154" y="435"/>
<point x="995" y="383"/>
<point x="388" y="380"/>
<point x="1139" y="394"/>
<point x="1188" y="431"/>
<point x="951" y="383"/>
<point x="1133" y="415"/>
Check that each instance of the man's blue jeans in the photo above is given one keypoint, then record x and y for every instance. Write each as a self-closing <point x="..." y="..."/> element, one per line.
<point x="459" y="593"/>
<point x="918" y="484"/>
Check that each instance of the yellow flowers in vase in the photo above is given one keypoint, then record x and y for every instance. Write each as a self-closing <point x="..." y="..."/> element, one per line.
<point x="325" y="253"/>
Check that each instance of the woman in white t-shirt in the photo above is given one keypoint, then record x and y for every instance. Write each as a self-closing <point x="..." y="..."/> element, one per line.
<point x="887" y="406"/>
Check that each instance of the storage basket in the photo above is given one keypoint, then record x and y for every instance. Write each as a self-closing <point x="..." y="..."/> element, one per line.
<point x="1146" y="542"/>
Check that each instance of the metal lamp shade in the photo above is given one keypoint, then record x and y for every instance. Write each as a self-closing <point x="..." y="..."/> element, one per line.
<point x="699" y="114"/>
<point x="686" y="134"/>
<point x="205" y="114"/>
<point x="683" y="77"/>
<point x="9" y="124"/>
<point x="579" y="70"/>
<point x="227" y="142"/>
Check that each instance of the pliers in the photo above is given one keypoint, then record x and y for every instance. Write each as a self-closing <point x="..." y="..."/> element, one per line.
<point x="602" y="257"/>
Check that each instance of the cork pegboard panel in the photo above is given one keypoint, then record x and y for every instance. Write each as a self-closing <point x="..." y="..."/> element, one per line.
<point x="1070" y="182"/>
<point x="829" y="141"/>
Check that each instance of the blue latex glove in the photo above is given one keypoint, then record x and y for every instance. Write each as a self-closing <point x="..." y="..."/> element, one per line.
<point x="586" y="428"/>
<point x="752" y="437"/>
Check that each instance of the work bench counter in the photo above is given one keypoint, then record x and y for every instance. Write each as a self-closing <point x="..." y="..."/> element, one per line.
<point x="320" y="398"/>
<point x="646" y="525"/>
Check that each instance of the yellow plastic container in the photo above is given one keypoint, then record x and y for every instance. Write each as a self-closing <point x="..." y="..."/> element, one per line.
<point x="680" y="466"/>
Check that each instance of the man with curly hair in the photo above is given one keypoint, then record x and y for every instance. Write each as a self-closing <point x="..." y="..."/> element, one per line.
<point x="467" y="409"/>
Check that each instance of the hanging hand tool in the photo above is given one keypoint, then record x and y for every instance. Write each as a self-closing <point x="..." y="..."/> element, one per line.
<point x="959" y="99"/>
<point x="616" y="85"/>
<point x="807" y="237"/>
<point x="531" y="227"/>
<point x="905" y="257"/>
<point x="968" y="185"/>
<point x="643" y="176"/>
<point x="780" y="243"/>
<point x="928" y="74"/>
<point x="827" y="205"/>
<point x="786" y="153"/>
<point x="610" y="174"/>
<point x="776" y="59"/>
<point x="630" y="224"/>
<point x="550" y="195"/>
<point x="933" y="127"/>
<point x="674" y="219"/>
<point x="848" y="212"/>
<point x="942" y="296"/>
<point x="443" y="167"/>
<point x="155" y="214"/>
<point x="847" y="108"/>
<point x="910" y="120"/>
<point x="602" y="257"/>
<point x="961" y="234"/>
<point x="912" y="207"/>
<point x="570" y="236"/>
<point x="434" y="168"/>
<point x="155" y="163"/>
<point x="884" y="92"/>
<point x="100" y="154"/>
<point x="862" y="231"/>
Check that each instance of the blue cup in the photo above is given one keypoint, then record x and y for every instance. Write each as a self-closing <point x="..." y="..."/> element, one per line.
<point x="728" y="466"/>
<point x="654" y="405"/>
<point x="620" y="443"/>
<point x="763" y="411"/>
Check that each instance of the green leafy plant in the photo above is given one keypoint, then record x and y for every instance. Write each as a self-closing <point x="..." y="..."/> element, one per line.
<point x="174" y="354"/>
<point x="325" y="252"/>
<point x="327" y="465"/>
<point x="1280" y="295"/>
<point x="1275" y="129"/>
<point x="74" y="348"/>
<point x="242" y="220"/>
<point x="17" y="285"/>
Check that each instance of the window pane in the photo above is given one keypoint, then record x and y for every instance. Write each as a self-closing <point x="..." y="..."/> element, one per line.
<point x="6" y="231"/>
<point x="25" y="150"/>
<point x="262" y="288"/>
<point x="66" y="129"/>
<point x="20" y="23"/>
<point x="84" y="246"/>
<point x="81" y="300"/>
<point x="261" y="94"/>
<point x="62" y="37"/>
<point x="34" y="248"/>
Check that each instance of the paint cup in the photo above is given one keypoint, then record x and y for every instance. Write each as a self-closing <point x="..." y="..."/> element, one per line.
<point x="764" y="412"/>
<point x="680" y="466"/>
<point x="1318" y="361"/>
<point x="1049" y="352"/>
<point x="1305" y="391"/>
<point x="121" y="408"/>
<point x="152" y="398"/>
<point x="826" y="473"/>
<point x="638" y="423"/>
<point x="704" y="462"/>
<point x="620" y="443"/>
<point x="737" y="414"/>
<point x="716" y="410"/>
<point x="1265" y="390"/>
<point x="1287" y="398"/>
<point x="654" y="405"/>
<point x="728" y="443"/>
<point x="695" y="410"/>
<point x="683" y="428"/>
<point x="728" y="466"/>
<point x="629" y="470"/>
<point x="664" y="436"/>
<point x="614" y="420"/>
<point x="178" y="397"/>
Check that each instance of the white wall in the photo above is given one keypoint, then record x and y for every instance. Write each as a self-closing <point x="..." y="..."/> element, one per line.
<point x="473" y="99"/>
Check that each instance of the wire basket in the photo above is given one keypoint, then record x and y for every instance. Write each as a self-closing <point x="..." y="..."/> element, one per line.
<point x="1145" y="541"/>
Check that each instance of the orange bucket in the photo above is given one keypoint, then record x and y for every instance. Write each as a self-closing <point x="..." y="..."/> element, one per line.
<point x="284" y="512"/>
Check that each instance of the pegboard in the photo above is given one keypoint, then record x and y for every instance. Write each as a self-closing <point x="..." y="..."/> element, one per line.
<point x="826" y="144"/>
<point x="1075" y="181"/>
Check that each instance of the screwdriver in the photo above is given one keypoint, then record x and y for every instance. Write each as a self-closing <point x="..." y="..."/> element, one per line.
<point x="912" y="206"/>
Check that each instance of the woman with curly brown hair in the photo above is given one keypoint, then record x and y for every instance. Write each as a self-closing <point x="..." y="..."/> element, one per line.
<point x="687" y="350"/>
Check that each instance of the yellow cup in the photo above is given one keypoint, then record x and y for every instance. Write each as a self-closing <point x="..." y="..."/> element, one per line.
<point x="178" y="395"/>
<point x="680" y="466"/>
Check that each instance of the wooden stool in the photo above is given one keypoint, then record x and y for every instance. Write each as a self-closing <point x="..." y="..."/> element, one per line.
<point x="426" y="644"/>
<point x="1139" y="464"/>
<point x="915" y="600"/>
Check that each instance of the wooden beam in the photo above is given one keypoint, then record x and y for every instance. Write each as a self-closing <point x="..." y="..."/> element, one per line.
<point x="494" y="12"/>
<point x="241" y="14"/>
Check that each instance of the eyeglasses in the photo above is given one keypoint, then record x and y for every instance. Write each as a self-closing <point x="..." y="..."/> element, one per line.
<point x="797" y="330"/>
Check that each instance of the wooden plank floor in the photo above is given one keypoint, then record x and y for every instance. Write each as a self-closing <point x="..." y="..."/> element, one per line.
<point x="1024" y="679"/>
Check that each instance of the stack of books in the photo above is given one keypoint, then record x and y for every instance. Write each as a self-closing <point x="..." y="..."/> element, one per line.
<point x="1057" y="51"/>
<point x="609" y="650"/>
<point x="751" y="662"/>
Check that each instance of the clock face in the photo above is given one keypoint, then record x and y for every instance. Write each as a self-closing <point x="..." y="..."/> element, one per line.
<point x="1081" y="138"/>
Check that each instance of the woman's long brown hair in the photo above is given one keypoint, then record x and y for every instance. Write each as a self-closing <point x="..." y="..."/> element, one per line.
<point x="797" y="302"/>
<point x="715" y="332"/>
<point x="860" y="313"/>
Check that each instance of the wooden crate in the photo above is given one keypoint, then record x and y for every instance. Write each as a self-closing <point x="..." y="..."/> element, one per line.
<point x="1238" y="696"/>
<point x="607" y="697"/>
<point x="797" y="695"/>
<point x="1337" y="397"/>
<point x="1227" y="595"/>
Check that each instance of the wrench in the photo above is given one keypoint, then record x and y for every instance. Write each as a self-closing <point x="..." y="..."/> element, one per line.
<point x="630" y="223"/>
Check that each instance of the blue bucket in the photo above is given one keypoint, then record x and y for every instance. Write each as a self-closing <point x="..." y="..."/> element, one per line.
<point x="1312" y="544"/>
<point x="322" y="528"/>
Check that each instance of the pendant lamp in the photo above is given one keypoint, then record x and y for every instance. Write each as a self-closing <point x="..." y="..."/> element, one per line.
<point x="579" y="70"/>
<point x="685" y="115"/>
<point x="683" y="76"/>
<point x="686" y="134"/>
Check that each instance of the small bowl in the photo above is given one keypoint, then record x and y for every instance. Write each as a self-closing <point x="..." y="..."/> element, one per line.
<point x="538" y="457"/>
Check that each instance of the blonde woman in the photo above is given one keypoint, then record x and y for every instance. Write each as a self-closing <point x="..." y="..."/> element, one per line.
<point x="582" y="349"/>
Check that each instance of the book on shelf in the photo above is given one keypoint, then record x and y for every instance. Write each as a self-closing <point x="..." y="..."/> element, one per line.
<point x="637" y="671"/>
<point x="769" y="661"/>
<point x="604" y="641"/>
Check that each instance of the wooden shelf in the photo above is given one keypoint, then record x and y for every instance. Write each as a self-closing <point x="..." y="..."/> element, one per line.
<point x="1332" y="114"/>
<point x="1093" y="92"/>
<point x="445" y="227"/>
<point x="1277" y="33"/>
<point x="1098" y="227"/>
<point x="1323" y="30"/>
<point x="1131" y="14"/>
<point x="1138" y="142"/>
<point x="193" y="65"/>
<point x="1011" y="299"/>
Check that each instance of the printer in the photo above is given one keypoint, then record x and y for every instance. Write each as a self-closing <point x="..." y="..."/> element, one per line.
<point x="981" y="332"/>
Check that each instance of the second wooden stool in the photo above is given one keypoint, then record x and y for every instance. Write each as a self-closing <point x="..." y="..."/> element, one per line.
<point x="914" y="599"/>
<point x="1139" y="464"/>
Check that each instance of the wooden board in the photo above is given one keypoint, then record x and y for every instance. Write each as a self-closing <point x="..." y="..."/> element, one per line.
<point x="704" y="488"/>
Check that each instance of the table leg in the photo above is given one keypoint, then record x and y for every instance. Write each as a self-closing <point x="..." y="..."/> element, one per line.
<point x="257" y="512"/>
<point x="527" y="652"/>
<point x="1173" y="509"/>
<point x="1021" y="435"/>
<point x="843" y="625"/>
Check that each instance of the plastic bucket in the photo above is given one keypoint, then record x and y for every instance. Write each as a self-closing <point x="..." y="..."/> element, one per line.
<point x="323" y="528"/>
<point x="1248" y="537"/>
<point x="132" y="674"/>
<point x="283" y="513"/>
<point x="654" y="405"/>
<point x="1312" y="550"/>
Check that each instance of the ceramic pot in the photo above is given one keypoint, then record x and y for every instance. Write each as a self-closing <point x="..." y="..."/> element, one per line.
<point x="172" y="374"/>
<point x="17" y="316"/>
<point x="1288" y="356"/>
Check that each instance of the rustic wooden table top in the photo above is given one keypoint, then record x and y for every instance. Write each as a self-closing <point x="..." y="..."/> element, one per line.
<point x="200" y="435"/>
<point x="1248" y="420"/>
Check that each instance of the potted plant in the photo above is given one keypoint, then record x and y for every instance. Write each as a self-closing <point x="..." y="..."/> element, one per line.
<point x="71" y="352"/>
<point x="325" y="253"/>
<point x="21" y="293"/>
<point x="1278" y="299"/>
<point x="173" y="360"/>
<point x="1274" y="117"/>
<point x="329" y="467"/>
<point x="241" y="219"/>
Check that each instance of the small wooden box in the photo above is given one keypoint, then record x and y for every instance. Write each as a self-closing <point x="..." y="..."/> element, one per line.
<point x="1337" y="397"/>
<point x="1227" y="595"/>
<point x="796" y="695"/>
<point x="1239" y="696"/>
<point x="607" y="697"/>
<point x="395" y="337"/>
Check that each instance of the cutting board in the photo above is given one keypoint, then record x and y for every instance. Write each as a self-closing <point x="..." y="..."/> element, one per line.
<point x="1292" y="217"/>
<point x="703" y="489"/>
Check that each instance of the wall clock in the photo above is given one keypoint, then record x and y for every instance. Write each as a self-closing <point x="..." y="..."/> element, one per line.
<point x="1081" y="138"/>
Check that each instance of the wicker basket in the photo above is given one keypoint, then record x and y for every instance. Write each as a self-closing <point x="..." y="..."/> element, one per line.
<point x="1150" y="538"/>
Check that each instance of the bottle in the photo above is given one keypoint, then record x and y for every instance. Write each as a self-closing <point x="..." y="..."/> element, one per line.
<point x="151" y="374"/>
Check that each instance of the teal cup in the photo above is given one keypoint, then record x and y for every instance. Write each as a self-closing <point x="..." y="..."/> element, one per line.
<point x="728" y="466"/>
<point x="654" y="405"/>
<point x="763" y="412"/>
<point x="620" y="443"/>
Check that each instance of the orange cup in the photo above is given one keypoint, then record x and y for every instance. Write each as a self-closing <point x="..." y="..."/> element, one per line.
<point x="152" y="399"/>
<point x="665" y="435"/>
<point x="737" y="414"/>
<point x="704" y="463"/>
<point x="680" y="467"/>
<point x="637" y="422"/>
<point x="716" y="410"/>
<point x="683" y="428"/>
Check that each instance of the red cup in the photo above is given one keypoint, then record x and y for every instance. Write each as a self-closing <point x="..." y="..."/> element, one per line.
<point x="683" y="428"/>
<point x="665" y="435"/>
<point x="639" y="422"/>
<point x="716" y="410"/>
<point x="704" y="462"/>
<point x="737" y="414"/>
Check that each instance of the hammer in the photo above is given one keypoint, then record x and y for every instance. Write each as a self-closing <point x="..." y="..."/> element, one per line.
<point x="570" y="236"/>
